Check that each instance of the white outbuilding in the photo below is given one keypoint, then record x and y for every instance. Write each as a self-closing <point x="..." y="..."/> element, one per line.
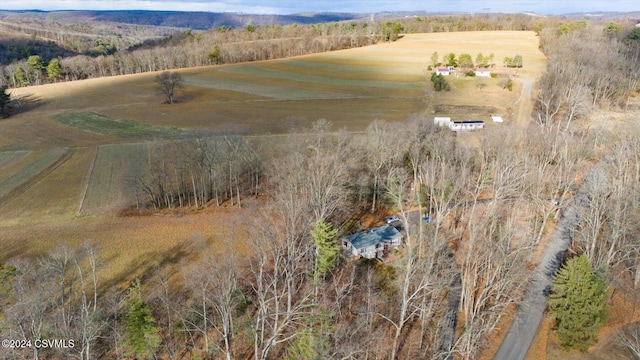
<point x="442" y="121"/>
<point x="458" y="125"/>
<point x="482" y="72"/>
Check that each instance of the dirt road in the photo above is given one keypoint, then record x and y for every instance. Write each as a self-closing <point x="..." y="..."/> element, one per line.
<point x="525" y="103"/>
<point x="529" y="315"/>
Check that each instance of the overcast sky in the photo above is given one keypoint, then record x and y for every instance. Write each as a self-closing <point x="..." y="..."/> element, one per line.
<point x="295" y="6"/>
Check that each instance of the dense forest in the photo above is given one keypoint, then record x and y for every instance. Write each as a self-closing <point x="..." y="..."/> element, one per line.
<point x="292" y="295"/>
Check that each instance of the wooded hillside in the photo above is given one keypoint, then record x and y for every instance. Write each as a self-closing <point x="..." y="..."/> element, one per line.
<point x="109" y="48"/>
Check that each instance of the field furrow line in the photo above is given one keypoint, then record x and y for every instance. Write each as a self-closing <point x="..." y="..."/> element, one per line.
<point x="28" y="184"/>
<point x="86" y="187"/>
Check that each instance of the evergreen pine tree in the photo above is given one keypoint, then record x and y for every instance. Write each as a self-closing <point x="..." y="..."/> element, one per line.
<point x="5" y="99"/>
<point x="141" y="339"/>
<point x="578" y="303"/>
<point x="214" y="55"/>
<point x="21" y="77"/>
<point x="7" y="273"/>
<point x="439" y="82"/>
<point x="302" y="347"/>
<point x="35" y="68"/>
<point x="324" y="238"/>
<point x="54" y="69"/>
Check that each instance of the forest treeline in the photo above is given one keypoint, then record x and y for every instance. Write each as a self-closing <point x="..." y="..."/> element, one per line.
<point x="106" y="55"/>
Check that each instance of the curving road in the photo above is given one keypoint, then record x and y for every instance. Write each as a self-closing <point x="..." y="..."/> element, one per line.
<point x="529" y="315"/>
<point x="531" y="311"/>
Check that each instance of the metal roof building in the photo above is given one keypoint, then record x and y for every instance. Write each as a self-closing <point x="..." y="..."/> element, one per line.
<point x="372" y="242"/>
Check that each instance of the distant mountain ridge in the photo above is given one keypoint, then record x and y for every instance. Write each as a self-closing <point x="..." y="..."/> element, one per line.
<point x="178" y="19"/>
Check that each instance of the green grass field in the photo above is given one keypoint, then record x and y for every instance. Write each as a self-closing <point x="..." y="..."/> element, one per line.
<point x="101" y="124"/>
<point x="112" y="174"/>
<point x="8" y="157"/>
<point x="33" y="164"/>
<point x="53" y="195"/>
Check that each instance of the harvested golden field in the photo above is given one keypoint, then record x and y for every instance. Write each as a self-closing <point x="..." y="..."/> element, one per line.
<point x="130" y="246"/>
<point x="350" y="88"/>
<point x="56" y="193"/>
<point x="78" y="199"/>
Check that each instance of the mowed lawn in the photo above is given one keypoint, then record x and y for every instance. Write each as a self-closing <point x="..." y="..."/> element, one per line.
<point x="94" y="132"/>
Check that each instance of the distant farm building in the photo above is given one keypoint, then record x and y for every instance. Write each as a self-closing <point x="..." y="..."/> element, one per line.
<point x="441" y="121"/>
<point x="372" y="243"/>
<point x="443" y="71"/>
<point x="482" y="72"/>
<point x="496" y="119"/>
<point x="465" y="125"/>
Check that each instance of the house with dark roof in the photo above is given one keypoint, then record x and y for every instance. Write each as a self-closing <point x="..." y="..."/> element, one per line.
<point x="372" y="243"/>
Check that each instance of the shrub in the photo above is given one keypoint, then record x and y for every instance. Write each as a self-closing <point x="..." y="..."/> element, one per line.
<point x="439" y="82"/>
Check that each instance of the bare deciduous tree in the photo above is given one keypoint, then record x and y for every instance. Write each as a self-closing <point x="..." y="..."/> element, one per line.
<point x="629" y="337"/>
<point x="214" y="285"/>
<point x="279" y="291"/>
<point x="35" y="298"/>
<point x="87" y="324"/>
<point x="167" y="83"/>
<point x="381" y="152"/>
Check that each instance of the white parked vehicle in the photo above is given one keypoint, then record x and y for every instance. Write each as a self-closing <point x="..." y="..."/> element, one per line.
<point x="392" y="219"/>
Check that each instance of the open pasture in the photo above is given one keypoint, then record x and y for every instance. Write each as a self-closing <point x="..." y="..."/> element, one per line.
<point x="113" y="171"/>
<point x="26" y="169"/>
<point x="131" y="246"/>
<point x="54" y="192"/>
<point x="8" y="157"/>
<point x="120" y="128"/>
<point x="350" y="88"/>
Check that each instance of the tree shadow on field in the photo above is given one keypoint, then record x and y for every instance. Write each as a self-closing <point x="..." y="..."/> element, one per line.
<point x="24" y="103"/>
<point x="14" y="250"/>
<point x="144" y="267"/>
